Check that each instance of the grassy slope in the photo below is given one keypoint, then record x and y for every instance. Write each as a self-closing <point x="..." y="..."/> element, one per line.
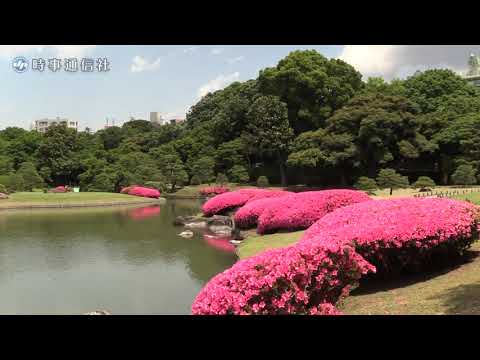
<point x="25" y="199"/>
<point x="452" y="291"/>
<point x="193" y="190"/>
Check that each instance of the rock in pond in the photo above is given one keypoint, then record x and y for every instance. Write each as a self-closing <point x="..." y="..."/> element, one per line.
<point x="221" y="229"/>
<point x="186" y="234"/>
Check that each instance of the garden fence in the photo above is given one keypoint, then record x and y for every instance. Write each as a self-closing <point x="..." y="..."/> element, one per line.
<point x="447" y="193"/>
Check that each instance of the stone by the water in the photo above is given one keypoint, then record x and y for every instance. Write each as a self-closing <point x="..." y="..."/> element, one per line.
<point x="235" y="242"/>
<point x="186" y="234"/>
<point x="3" y="196"/>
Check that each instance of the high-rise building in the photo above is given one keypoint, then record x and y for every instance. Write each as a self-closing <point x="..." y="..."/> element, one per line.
<point x="156" y="118"/>
<point x="43" y="124"/>
<point x="473" y="74"/>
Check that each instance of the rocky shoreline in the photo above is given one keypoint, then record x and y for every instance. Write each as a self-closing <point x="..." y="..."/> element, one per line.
<point x="218" y="224"/>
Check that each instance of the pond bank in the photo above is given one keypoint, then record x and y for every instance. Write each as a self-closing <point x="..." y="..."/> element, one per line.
<point x="25" y="200"/>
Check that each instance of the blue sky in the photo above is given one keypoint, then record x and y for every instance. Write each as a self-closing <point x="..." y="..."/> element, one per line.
<point x="170" y="79"/>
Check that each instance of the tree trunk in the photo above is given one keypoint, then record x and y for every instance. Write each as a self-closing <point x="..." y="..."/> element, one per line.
<point x="391" y="191"/>
<point x="283" y="171"/>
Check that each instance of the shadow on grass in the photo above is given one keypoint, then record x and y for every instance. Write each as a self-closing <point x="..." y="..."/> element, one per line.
<point x="461" y="300"/>
<point x="370" y="285"/>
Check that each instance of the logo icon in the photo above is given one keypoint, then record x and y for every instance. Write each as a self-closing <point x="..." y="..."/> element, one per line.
<point x="20" y="64"/>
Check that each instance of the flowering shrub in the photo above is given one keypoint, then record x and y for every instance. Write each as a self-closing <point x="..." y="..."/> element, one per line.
<point x="144" y="192"/>
<point x="299" y="211"/>
<point x="302" y="279"/>
<point x="401" y="233"/>
<point x="213" y="190"/>
<point x="247" y="215"/>
<point x="59" y="189"/>
<point x="227" y="201"/>
<point x="125" y="190"/>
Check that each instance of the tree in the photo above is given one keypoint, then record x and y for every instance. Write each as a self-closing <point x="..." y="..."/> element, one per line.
<point x="204" y="169"/>
<point x="464" y="175"/>
<point x="262" y="181"/>
<point x="383" y="130"/>
<point x="429" y="88"/>
<point x="195" y="180"/>
<point x="173" y="169"/>
<point x="13" y="182"/>
<point x="366" y="184"/>
<point x="389" y="178"/>
<point x="270" y="130"/>
<point x="423" y="182"/>
<point x="239" y="174"/>
<point x="221" y="179"/>
<point x="311" y="85"/>
<point x="30" y="176"/>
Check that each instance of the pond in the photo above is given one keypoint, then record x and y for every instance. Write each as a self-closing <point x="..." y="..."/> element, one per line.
<point x="123" y="260"/>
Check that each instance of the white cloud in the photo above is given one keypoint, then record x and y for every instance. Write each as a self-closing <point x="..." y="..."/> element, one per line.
<point x="56" y="50"/>
<point x="235" y="59"/>
<point x="218" y="83"/>
<point x="140" y="64"/>
<point x="392" y="61"/>
<point x="216" y="51"/>
<point x="191" y="49"/>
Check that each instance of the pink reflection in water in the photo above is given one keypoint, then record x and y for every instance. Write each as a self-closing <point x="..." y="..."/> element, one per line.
<point x="143" y="213"/>
<point x="219" y="243"/>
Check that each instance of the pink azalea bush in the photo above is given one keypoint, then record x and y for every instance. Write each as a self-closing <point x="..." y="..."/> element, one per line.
<point x="299" y="211"/>
<point x="213" y="190"/>
<point x="247" y="216"/>
<point x="401" y="233"/>
<point x="302" y="279"/>
<point x="144" y="192"/>
<point x="233" y="199"/>
<point x="367" y="237"/>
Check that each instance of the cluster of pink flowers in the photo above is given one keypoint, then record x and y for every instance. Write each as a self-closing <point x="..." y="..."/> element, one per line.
<point x="247" y="216"/>
<point x="233" y="199"/>
<point x="399" y="233"/>
<point x="299" y="211"/>
<point x="313" y="275"/>
<point x="141" y="191"/>
<point x="60" y="189"/>
<point x="302" y="279"/>
<point x="213" y="190"/>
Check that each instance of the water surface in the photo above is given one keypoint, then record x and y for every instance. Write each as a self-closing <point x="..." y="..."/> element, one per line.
<point x="124" y="260"/>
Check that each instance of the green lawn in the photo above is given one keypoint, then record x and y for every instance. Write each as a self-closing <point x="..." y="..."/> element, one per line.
<point x="193" y="190"/>
<point x="34" y="199"/>
<point x="455" y="290"/>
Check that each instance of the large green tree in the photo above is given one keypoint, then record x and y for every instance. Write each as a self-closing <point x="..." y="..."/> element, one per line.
<point x="270" y="130"/>
<point x="311" y="85"/>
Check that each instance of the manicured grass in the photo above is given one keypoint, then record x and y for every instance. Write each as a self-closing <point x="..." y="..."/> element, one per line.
<point x="455" y="290"/>
<point x="473" y="197"/>
<point x="385" y="193"/>
<point x="255" y="243"/>
<point x="28" y="199"/>
<point x="191" y="191"/>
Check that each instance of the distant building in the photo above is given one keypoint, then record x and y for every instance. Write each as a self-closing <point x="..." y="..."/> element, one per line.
<point x="156" y="118"/>
<point x="43" y="124"/>
<point x="176" y="121"/>
<point x="109" y="124"/>
<point x="473" y="74"/>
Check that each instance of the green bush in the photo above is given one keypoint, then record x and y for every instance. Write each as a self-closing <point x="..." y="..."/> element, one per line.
<point x="13" y="182"/>
<point x="262" y="181"/>
<point x="423" y="182"/>
<point x="464" y="175"/>
<point x="238" y="174"/>
<point x="3" y="189"/>
<point x="195" y="180"/>
<point x="160" y="186"/>
<point x="366" y="184"/>
<point x="221" y="179"/>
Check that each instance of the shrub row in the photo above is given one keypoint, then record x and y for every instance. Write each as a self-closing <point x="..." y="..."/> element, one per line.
<point x="313" y="275"/>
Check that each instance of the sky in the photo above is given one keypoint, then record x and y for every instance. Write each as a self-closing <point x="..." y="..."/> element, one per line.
<point x="170" y="79"/>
